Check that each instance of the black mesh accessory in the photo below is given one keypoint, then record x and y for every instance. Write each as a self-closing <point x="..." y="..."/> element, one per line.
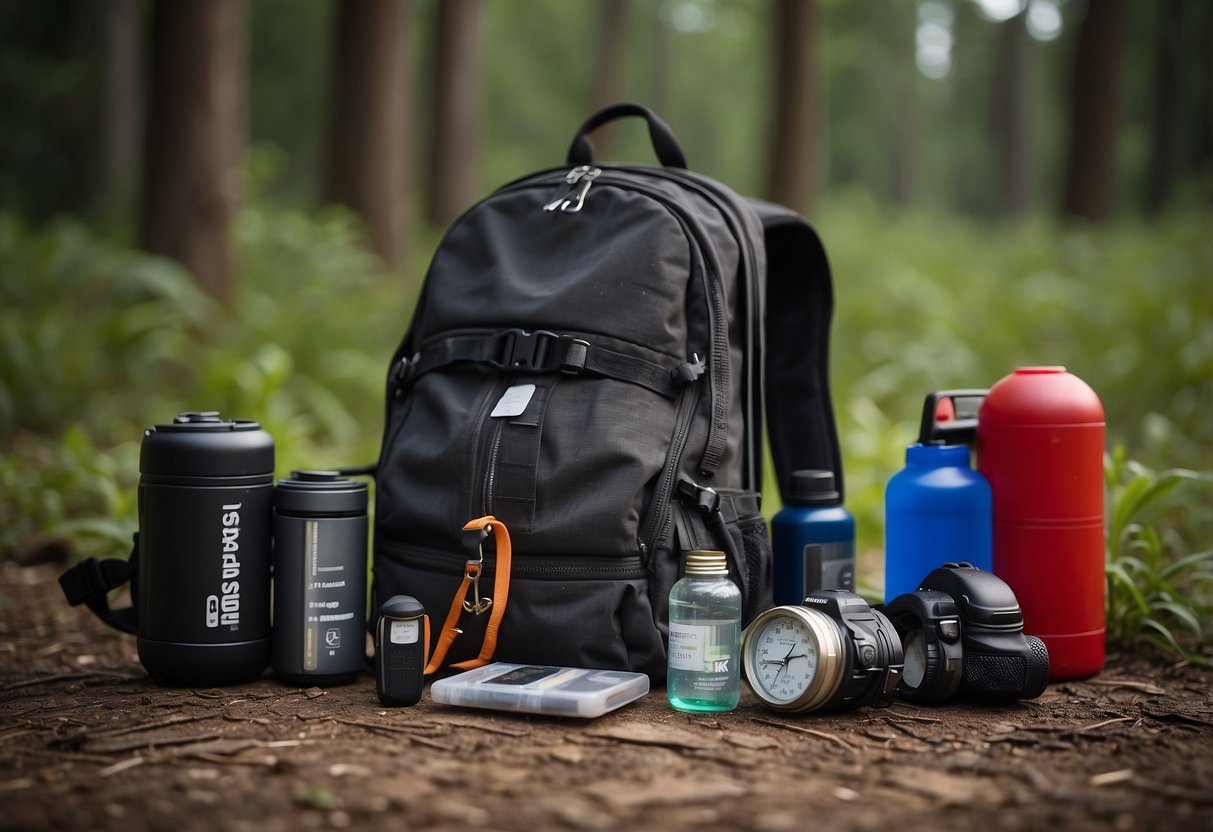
<point x="757" y="547"/>
<point x="993" y="675"/>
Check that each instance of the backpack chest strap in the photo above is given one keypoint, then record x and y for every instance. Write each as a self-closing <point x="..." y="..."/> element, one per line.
<point x="543" y="351"/>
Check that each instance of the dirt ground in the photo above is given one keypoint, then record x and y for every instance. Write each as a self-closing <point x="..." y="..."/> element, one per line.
<point x="88" y="741"/>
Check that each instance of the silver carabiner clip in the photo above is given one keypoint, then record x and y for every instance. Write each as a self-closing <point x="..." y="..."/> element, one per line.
<point x="478" y="605"/>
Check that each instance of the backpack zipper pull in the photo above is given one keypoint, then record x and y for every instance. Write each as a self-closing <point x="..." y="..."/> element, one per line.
<point x="583" y="176"/>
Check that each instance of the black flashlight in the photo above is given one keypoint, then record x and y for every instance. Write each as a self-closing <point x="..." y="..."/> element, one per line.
<point x="402" y="638"/>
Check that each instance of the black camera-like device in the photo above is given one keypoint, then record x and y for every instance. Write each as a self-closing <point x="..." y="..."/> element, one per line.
<point x="832" y="652"/>
<point x="962" y="631"/>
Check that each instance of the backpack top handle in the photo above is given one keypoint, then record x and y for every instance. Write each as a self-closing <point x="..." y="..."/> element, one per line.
<point x="669" y="153"/>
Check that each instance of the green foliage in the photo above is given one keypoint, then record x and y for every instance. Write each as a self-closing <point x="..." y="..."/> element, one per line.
<point x="98" y="341"/>
<point x="1157" y="590"/>
<point x="66" y="496"/>
<point x="925" y="304"/>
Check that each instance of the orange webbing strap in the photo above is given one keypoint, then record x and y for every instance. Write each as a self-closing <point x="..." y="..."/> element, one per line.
<point x="471" y="580"/>
<point x="501" y="589"/>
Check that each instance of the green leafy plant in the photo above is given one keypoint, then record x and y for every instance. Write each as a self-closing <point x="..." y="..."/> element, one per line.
<point x="1157" y="591"/>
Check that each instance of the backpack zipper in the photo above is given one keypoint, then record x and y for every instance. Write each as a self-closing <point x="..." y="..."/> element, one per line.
<point x="754" y="352"/>
<point x="718" y="349"/>
<point x="524" y="566"/>
<point x="578" y="181"/>
<point x="486" y="504"/>
<point x="482" y="462"/>
<point x="658" y="519"/>
<point x="717" y="440"/>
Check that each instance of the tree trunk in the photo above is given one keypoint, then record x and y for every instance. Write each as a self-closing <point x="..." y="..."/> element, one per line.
<point x="609" y="72"/>
<point x="1202" y="153"/>
<point x="1090" y="169"/>
<point x="454" y="150"/>
<point x="1163" y="106"/>
<point x="905" y="159"/>
<point x="792" y="176"/>
<point x="661" y="61"/>
<point x="120" y="140"/>
<point x="1011" y="117"/>
<point x="196" y="132"/>
<point x="369" y="141"/>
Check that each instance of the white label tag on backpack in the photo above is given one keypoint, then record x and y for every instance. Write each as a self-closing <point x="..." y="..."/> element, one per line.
<point x="514" y="400"/>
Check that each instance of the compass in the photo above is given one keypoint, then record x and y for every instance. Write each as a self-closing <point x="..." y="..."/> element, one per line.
<point x="833" y="652"/>
<point x="792" y="657"/>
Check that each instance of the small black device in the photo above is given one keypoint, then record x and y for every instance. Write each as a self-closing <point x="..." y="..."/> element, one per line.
<point x="974" y="646"/>
<point x="320" y="536"/>
<point x="402" y="638"/>
<point x="833" y="652"/>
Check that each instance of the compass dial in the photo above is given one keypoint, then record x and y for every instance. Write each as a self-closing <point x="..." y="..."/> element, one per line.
<point x="793" y="657"/>
<point x="784" y="658"/>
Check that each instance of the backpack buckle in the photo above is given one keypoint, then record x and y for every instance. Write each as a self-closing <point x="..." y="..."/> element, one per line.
<point x="706" y="499"/>
<point x="536" y="351"/>
<point x="527" y="350"/>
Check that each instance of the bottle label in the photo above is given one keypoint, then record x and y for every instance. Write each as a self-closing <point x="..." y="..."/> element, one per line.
<point x="326" y="601"/>
<point x="702" y="649"/>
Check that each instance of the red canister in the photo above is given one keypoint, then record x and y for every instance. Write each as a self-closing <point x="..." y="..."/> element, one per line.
<point x="1040" y="444"/>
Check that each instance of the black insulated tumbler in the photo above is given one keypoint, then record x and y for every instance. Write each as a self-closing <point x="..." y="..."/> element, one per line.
<point x="320" y="536"/>
<point x="205" y="495"/>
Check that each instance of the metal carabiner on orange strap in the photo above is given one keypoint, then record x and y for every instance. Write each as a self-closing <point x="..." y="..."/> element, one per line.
<point x="478" y="605"/>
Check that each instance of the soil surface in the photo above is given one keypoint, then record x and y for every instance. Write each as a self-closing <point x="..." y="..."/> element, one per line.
<point x="88" y="741"/>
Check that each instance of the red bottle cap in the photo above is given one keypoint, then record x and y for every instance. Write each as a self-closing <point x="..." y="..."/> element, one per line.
<point x="1041" y="396"/>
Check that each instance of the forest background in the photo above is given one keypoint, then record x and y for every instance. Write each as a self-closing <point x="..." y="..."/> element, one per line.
<point x="230" y="204"/>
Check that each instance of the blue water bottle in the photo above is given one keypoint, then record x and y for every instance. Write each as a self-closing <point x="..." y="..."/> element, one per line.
<point x="813" y="538"/>
<point x="937" y="508"/>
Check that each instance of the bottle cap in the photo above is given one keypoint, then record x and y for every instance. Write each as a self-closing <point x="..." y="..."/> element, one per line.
<point x="204" y="444"/>
<point x="949" y="417"/>
<point x="1041" y="396"/>
<point x="320" y="492"/>
<point x="707" y="562"/>
<point x="812" y="487"/>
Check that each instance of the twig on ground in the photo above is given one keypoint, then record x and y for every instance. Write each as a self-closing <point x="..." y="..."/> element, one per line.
<point x="69" y="677"/>
<point x="822" y="735"/>
<point x="490" y="729"/>
<point x="392" y="729"/>
<point x="128" y="763"/>
<point x="147" y="726"/>
<point x="1145" y="687"/>
<point x="903" y="715"/>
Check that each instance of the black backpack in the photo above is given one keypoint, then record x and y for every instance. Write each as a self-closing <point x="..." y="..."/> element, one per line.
<point x="587" y="364"/>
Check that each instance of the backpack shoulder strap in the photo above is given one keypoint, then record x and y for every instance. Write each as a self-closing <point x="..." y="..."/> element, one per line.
<point x="799" y="306"/>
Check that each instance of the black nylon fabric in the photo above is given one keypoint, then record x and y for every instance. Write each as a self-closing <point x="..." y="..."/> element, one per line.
<point x="657" y="278"/>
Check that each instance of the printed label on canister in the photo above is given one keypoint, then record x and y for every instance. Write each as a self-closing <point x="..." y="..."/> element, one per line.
<point x="328" y="624"/>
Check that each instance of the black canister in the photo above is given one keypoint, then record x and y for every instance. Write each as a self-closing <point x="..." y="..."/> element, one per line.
<point x="320" y="536"/>
<point x="205" y="494"/>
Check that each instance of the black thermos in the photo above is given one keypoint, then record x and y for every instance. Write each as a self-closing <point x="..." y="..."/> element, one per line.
<point x="320" y="535"/>
<point x="205" y="492"/>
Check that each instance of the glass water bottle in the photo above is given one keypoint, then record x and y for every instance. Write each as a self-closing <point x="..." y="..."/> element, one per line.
<point x="705" y="637"/>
